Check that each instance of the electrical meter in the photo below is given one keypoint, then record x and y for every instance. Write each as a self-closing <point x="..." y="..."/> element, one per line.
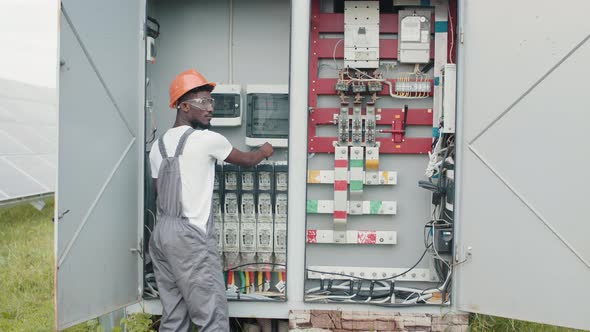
<point x="227" y="111"/>
<point x="414" y="35"/>
<point x="268" y="115"/>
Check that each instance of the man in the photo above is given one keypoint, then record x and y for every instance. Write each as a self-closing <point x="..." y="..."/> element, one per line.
<point x="183" y="246"/>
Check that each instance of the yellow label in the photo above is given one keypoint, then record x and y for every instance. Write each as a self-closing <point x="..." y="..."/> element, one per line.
<point x="397" y="116"/>
<point x="372" y="164"/>
<point x="313" y="177"/>
<point x="385" y="176"/>
<point x="398" y="146"/>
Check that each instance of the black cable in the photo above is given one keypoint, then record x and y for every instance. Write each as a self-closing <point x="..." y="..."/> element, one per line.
<point x="369" y="279"/>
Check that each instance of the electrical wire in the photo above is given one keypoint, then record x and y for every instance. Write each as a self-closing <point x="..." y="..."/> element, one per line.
<point x="369" y="279"/>
<point x="250" y="264"/>
<point x="452" y="35"/>
<point x="334" y="53"/>
<point x="373" y="79"/>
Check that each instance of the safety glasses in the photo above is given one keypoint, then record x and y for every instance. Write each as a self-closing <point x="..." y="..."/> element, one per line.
<point x="202" y="103"/>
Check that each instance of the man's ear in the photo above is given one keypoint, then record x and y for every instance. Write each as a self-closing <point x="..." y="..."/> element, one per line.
<point x="183" y="106"/>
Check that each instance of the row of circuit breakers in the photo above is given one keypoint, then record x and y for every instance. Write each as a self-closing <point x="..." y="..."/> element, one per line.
<point x="267" y="117"/>
<point x="250" y="212"/>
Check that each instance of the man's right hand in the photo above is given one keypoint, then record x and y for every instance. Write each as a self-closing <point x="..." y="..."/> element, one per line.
<point x="266" y="150"/>
<point x="251" y="158"/>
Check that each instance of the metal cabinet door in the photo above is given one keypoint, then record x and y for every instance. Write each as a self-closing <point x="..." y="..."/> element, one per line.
<point x="100" y="163"/>
<point x="522" y="198"/>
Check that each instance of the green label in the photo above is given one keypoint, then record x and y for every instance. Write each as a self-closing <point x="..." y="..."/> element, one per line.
<point x="375" y="207"/>
<point x="312" y="206"/>
<point x="356" y="163"/>
<point x="356" y="185"/>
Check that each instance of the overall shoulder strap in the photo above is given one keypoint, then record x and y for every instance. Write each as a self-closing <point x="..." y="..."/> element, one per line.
<point x="182" y="142"/>
<point x="162" y="147"/>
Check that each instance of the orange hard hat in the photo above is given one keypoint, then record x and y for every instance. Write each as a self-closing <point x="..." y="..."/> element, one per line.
<point x="185" y="82"/>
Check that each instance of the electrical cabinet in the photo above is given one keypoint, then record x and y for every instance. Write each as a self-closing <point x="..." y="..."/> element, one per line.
<point x="344" y="207"/>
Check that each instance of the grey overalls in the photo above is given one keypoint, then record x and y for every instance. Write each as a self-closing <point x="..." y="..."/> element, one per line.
<point x="185" y="259"/>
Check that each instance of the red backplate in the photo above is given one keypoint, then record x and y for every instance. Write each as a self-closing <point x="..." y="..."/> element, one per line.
<point x="323" y="48"/>
<point x="391" y="117"/>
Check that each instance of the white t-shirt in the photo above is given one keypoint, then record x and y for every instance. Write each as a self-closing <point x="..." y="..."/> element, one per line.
<point x="197" y="168"/>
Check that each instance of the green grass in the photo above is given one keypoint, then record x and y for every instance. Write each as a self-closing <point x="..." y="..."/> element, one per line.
<point x="26" y="268"/>
<point x="483" y="323"/>
<point x="26" y="279"/>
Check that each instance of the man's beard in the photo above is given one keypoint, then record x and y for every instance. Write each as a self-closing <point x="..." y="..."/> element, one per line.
<point x="199" y="125"/>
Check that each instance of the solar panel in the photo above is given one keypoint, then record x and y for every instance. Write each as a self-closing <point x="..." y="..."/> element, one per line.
<point x="28" y="140"/>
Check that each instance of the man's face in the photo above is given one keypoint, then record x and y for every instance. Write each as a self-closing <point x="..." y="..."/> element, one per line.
<point x="199" y="109"/>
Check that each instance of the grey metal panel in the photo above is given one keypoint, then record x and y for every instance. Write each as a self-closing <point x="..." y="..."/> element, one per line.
<point x="261" y="50"/>
<point x="509" y="45"/>
<point x="99" y="173"/>
<point x="413" y="203"/>
<point x="261" y="42"/>
<point x="521" y="205"/>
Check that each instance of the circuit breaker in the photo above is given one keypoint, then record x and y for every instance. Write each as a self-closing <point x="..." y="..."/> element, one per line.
<point x="361" y="34"/>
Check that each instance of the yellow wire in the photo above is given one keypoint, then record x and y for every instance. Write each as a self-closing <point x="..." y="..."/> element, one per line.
<point x="247" y="281"/>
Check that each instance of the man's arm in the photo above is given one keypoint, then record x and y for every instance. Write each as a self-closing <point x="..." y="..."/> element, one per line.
<point x="249" y="159"/>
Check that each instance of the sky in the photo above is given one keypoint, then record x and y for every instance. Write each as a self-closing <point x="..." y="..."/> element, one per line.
<point x="28" y="35"/>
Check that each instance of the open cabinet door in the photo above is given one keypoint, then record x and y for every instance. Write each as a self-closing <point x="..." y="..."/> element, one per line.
<point x="100" y="176"/>
<point x="523" y="161"/>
